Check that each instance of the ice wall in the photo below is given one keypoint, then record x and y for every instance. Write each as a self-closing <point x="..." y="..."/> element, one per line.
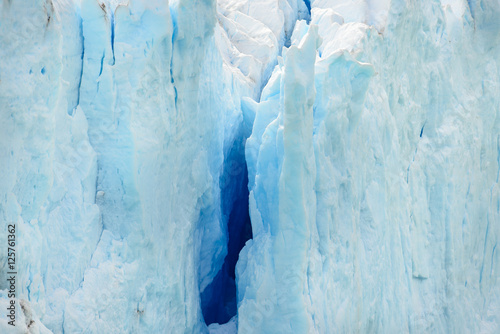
<point x="115" y="141"/>
<point x="373" y="160"/>
<point x="397" y="232"/>
<point x="49" y="168"/>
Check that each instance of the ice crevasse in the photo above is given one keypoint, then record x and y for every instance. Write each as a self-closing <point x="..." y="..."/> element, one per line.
<point x="239" y="166"/>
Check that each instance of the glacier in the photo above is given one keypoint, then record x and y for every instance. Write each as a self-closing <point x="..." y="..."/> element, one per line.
<point x="251" y="166"/>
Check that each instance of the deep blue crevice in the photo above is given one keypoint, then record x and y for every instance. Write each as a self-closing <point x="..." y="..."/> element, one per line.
<point x="173" y="15"/>
<point x="218" y="300"/>
<point x="72" y="109"/>
<point x="102" y="63"/>
<point x="113" y="36"/>
<point x="308" y="5"/>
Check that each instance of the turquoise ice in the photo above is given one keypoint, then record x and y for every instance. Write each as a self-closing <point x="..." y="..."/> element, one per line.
<point x="270" y="166"/>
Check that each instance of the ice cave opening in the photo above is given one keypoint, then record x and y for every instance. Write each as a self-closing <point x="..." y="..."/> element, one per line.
<point x="218" y="299"/>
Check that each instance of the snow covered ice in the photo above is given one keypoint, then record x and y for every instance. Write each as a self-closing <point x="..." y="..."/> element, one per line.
<point x="250" y="166"/>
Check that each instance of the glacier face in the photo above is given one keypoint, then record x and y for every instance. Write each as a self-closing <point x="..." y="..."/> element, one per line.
<point x="373" y="160"/>
<point x="391" y="225"/>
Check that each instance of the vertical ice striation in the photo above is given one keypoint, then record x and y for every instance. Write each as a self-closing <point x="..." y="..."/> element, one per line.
<point x="280" y="304"/>
<point x="368" y="132"/>
<point x="49" y="167"/>
<point x="404" y="215"/>
<point x="118" y="233"/>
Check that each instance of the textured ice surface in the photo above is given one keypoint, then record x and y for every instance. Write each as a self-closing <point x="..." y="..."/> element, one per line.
<point x="382" y="216"/>
<point x="373" y="160"/>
